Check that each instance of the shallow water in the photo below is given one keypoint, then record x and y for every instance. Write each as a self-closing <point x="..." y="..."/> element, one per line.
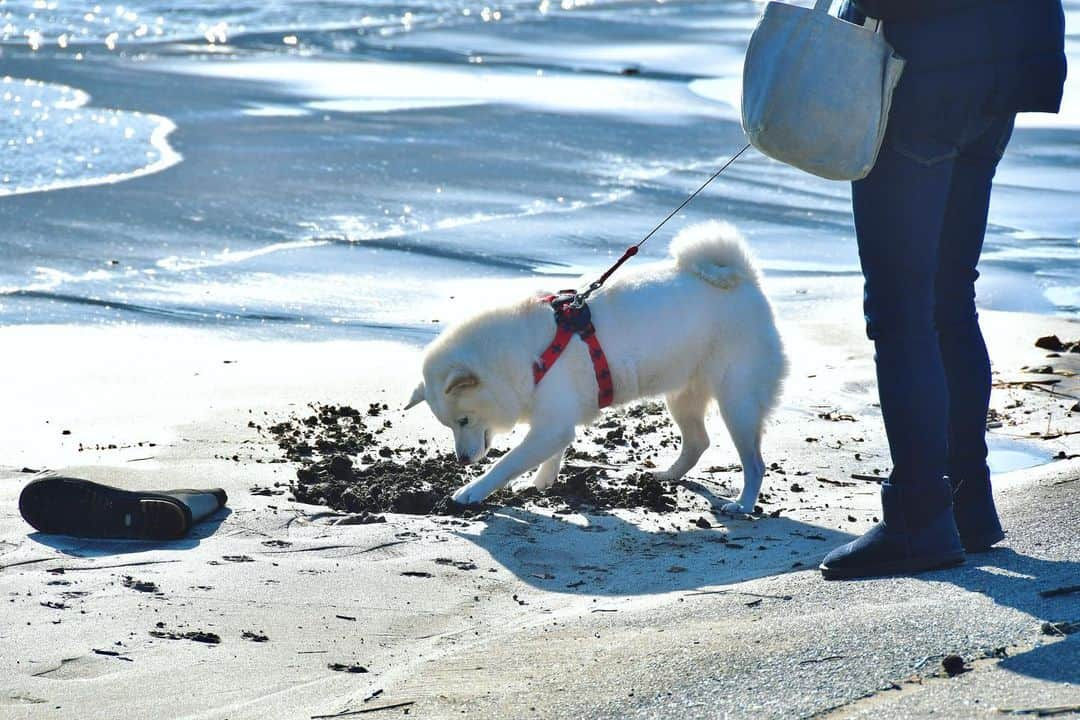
<point x="1008" y="455"/>
<point x="356" y="167"/>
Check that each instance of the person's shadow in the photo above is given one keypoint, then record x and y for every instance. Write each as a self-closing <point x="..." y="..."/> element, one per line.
<point x="1015" y="580"/>
<point x="600" y="554"/>
<point x="77" y="547"/>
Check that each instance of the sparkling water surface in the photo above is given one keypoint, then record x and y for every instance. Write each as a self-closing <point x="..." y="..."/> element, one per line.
<point x="361" y="167"/>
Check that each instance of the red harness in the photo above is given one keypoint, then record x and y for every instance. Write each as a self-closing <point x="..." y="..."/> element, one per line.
<point x="573" y="320"/>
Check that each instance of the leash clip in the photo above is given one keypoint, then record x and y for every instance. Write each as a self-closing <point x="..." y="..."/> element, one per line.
<point x="572" y="313"/>
<point x="580" y="297"/>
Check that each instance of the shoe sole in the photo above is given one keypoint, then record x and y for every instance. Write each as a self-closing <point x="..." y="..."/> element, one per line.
<point x="900" y="567"/>
<point x="59" y="505"/>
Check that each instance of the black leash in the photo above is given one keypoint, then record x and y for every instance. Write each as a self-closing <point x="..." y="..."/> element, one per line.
<point x="631" y="251"/>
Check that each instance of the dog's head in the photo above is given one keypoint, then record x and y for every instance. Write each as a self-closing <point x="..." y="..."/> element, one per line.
<point x="463" y="401"/>
<point x="475" y="379"/>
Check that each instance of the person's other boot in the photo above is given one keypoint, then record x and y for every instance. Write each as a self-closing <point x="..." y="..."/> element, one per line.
<point x="61" y="505"/>
<point x="917" y="533"/>
<point x="975" y="513"/>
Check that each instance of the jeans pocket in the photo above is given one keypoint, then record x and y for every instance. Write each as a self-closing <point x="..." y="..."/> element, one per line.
<point x="923" y="150"/>
<point x="988" y="135"/>
<point x="935" y="111"/>
<point x="923" y="125"/>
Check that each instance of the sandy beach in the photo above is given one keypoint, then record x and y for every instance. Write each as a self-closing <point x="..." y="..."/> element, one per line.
<point x="219" y="219"/>
<point x="271" y="610"/>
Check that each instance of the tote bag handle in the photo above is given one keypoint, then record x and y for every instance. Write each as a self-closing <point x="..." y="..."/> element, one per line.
<point x="824" y="6"/>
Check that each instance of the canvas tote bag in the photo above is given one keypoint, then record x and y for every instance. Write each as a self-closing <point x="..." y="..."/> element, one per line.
<point x="817" y="90"/>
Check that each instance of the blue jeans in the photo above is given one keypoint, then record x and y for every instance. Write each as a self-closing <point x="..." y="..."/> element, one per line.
<point x="920" y="217"/>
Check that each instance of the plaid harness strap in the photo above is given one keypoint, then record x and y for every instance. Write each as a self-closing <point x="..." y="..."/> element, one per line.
<point x="569" y="321"/>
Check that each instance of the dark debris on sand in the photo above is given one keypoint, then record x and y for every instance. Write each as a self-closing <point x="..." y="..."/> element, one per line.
<point x="954" y="665"/>
<point x="592" y="487"/>
<point x="347" y="463"/>
<point x="347" y="667"/>
<point x="1056" y="344"/>
<point x="140" y="585"/>
<point x="201" y="636"/>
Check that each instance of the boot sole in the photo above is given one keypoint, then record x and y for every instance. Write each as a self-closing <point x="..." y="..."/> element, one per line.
<point x="899" y="567"/>
<point x="59" y="505"/>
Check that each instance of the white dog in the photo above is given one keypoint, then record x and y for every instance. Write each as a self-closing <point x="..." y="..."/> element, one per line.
<point x="694" y="330"/>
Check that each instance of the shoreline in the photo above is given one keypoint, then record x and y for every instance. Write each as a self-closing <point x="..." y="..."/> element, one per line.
<point x="80" y="378"/>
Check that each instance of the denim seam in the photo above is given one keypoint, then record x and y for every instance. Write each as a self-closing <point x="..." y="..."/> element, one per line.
<point x="1003" y="141"/>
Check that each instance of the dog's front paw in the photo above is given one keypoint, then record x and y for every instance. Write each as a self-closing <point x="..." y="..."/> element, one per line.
<point x="470" y="494"/>
<point x="734" y="508"/>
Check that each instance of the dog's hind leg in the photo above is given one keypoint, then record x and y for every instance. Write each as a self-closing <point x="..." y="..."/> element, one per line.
<point x="744" y="415"/>
<point x="688" y="407"/>
<point x="548" y="472"/>
<point x="545" y="475"/>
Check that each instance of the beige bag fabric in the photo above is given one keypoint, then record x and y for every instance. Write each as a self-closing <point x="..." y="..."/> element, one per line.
<point x="817" y="90"/>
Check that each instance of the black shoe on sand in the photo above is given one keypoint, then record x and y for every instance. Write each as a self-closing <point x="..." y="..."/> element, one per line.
<point x="71" y="506"/>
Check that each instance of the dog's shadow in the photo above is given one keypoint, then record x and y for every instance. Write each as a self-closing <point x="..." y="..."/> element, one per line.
<point x="613" y="554"/>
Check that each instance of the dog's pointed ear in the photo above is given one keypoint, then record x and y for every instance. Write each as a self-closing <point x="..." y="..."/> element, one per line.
<point x="417" y="396"/>
<point x="460" y="379"/>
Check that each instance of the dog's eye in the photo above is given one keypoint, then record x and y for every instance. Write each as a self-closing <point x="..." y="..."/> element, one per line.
<point x="463" y="422"/>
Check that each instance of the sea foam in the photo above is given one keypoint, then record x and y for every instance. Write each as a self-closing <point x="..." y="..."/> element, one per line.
<point x="53" y="138"/>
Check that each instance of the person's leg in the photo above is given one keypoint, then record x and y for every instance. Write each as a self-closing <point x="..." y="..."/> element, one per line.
<point x="963" y="351"/>
<point x="899" y="213"/>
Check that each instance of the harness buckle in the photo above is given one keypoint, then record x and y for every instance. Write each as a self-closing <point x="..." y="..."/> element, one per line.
<point x="571" y="315"/>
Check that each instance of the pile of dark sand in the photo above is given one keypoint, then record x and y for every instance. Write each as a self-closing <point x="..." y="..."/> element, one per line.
<point x="348" y="463"/>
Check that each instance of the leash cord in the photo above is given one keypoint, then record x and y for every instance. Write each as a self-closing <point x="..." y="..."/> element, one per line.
<point x="631" y="251"/>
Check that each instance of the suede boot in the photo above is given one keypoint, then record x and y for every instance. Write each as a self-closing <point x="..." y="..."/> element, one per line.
<point x="975" y="513"/>
<point x="60" y="505"/>
<point x="917" y="533"/>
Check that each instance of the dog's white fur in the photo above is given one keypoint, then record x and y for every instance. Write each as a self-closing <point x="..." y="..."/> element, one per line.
<point x="694" y="330"/>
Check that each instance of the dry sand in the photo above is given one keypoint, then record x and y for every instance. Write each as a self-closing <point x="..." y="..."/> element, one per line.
<point x="444" y="615"/>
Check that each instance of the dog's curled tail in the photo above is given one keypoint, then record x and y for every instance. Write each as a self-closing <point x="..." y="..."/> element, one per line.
<point x="715" y="252"/>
